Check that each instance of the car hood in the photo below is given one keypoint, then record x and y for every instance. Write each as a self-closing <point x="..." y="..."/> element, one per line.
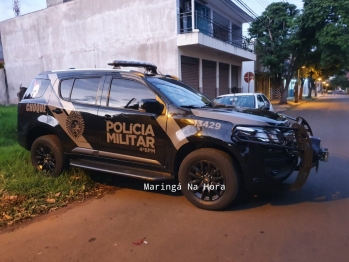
<point x="242" y="116"/>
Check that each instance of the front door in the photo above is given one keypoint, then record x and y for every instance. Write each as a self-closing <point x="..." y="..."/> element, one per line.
<point x="125" y="131"/>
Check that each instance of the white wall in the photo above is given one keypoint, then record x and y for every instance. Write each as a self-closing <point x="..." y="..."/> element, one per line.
<point x="88" y="34"/>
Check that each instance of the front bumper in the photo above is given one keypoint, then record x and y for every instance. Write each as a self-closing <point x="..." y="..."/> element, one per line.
<point x="304" y="146"/>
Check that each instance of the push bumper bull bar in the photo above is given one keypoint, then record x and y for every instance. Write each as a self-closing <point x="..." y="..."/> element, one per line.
<point x="305" y="145"/>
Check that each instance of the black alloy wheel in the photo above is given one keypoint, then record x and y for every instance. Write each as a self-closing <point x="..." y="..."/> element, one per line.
<point x="47" y="155"/>
<point x="209" y="179"/>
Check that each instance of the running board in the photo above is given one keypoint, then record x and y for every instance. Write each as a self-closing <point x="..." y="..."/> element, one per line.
<point x="123" y="170"/>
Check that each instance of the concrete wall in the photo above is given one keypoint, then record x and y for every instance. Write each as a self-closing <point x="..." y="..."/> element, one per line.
<point x="3" y="96"/>
<point x="1" y="52"/>
<point x="88" y="34"/>
<point x="50" y="3"/>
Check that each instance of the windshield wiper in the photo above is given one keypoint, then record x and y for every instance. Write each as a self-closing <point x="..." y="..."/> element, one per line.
<point x="191" y="106"/>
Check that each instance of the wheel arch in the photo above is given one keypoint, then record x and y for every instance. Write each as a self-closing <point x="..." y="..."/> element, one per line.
<point x="36" y="132"/>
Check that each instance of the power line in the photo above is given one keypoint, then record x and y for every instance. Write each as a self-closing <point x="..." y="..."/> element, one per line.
<point x="247" y="9"/>
<point x="238" y="14"/>
<point x="16" y="7"/>
<point x="260" y="2"/>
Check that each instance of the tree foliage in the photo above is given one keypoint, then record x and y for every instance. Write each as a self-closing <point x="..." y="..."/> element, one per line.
<point x="275" y="32"/>
<point x="324" y="24"/>
<point x="316" y="39"/>
<point x="339" y="81"/>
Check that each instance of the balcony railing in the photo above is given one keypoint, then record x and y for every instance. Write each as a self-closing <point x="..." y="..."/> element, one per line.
<point x="213" y="29"/>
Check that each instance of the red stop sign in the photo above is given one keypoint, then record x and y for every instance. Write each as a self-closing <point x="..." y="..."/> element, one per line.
<point x="249" y="76"/>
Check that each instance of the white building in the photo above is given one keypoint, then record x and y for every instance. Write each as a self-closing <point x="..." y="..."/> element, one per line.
<point x="198" y="40"/>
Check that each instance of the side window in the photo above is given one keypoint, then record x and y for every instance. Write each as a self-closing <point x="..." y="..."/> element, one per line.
<point x="266" y="100"/>
<point x="37" y="88"/>
<point x="260" y="101"/>
<point x="127" y="93"/>
<point x="85" y="90"/>
<point x="66" y="86"/>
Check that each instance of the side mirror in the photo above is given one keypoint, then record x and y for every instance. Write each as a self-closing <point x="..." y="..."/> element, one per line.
<point x="151" y="106"/>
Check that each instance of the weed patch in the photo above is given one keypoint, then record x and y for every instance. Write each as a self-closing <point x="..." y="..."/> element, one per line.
<point x="24" y="193"/>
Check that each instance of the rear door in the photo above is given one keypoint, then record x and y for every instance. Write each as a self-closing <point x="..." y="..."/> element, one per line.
<point x="75" y="105"/>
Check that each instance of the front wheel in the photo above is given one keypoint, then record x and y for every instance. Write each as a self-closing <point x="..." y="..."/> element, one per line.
<point x="47" y="155"/>
<point x="209" y="179"/>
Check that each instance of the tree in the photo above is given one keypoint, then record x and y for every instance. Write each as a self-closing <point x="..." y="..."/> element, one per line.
<point x="340" y="80"/>
<point x="275" y="32"/>
<point x="324" y="24"/>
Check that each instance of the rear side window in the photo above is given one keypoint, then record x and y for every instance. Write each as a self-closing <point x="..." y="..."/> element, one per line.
<point x="80" y="90"/>
<point x="260" y="101"/>
<point x="66" y="87"/>
<point x="37" y="88"/>
<point x="266" y="100"/>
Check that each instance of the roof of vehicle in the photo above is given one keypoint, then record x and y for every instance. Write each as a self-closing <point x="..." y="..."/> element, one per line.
<point x="118" y="67"/>
<point x="240" y="94"/>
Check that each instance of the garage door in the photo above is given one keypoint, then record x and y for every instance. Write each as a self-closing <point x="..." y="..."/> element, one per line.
<point x="209" y="78"/>
<point x="234" y="78"/>
<point x="190" y="71"/>
<point x="223" y="79"/>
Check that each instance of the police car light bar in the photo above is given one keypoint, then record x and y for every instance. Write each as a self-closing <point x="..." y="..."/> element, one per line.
<point x="125" y="63"/>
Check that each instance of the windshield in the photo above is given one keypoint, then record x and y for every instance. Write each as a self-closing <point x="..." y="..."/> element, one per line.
<point x="239" y="101"/>
<point x="179" y="93"/>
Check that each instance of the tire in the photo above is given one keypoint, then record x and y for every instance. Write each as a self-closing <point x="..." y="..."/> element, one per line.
<point x="47" y="155"/>
<point x="214" y="174"/>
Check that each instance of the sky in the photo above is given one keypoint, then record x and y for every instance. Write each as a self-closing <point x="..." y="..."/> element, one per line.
<point x="28" y="6"/>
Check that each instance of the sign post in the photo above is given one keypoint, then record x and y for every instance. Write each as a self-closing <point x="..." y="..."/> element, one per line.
<point x="248" y="77"/>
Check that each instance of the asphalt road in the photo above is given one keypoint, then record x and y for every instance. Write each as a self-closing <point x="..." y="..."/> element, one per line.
<point x="307" y="225"/>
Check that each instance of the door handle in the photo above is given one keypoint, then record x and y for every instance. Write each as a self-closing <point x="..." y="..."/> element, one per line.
<point x="107" y="117"/>
<point x="57" y="111"/>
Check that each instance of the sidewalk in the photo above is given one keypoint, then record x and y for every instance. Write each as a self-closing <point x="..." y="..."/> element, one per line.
<point x="291" y="103"/>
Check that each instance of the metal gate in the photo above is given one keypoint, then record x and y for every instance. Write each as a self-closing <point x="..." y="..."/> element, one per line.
<point x="223" y="79"/>
<point x="235" y="78"/>
<point x="209" y="78"/>
<point x="190" y="71"/>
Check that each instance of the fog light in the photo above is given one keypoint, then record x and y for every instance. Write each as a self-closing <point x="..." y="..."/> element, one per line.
<point x="323" y="156"/>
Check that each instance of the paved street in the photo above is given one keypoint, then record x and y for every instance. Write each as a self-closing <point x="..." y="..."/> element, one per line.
<point x="306" y="225"/>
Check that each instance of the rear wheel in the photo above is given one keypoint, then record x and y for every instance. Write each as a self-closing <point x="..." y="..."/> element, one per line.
<point x="209" y="179"/>
<point x="47" y="155"/>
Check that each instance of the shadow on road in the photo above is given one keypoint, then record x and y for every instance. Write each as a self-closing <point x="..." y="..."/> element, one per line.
<point x="329" y="184"/>
<point x="119" y="182"/>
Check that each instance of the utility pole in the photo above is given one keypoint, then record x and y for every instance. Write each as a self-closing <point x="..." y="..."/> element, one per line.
<point x="16" y="8"/>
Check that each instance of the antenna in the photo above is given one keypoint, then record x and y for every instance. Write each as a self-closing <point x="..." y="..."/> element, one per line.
<point x="16" y="8"/>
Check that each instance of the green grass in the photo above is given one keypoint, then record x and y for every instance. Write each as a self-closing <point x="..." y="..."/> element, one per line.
<point x="8" y="125"/>
<point x="24" y="193"/>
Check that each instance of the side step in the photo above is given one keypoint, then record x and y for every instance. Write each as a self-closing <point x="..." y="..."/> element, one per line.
<point x="121" y="169"/>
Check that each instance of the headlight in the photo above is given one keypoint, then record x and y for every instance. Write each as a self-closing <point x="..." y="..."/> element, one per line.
<point x="269" y="135"/>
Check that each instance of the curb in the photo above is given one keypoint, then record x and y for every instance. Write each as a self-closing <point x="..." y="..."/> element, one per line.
<point x="281" y="108"/>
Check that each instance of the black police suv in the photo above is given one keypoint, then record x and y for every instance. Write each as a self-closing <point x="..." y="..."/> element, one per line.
<point x="154" y="127"/>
